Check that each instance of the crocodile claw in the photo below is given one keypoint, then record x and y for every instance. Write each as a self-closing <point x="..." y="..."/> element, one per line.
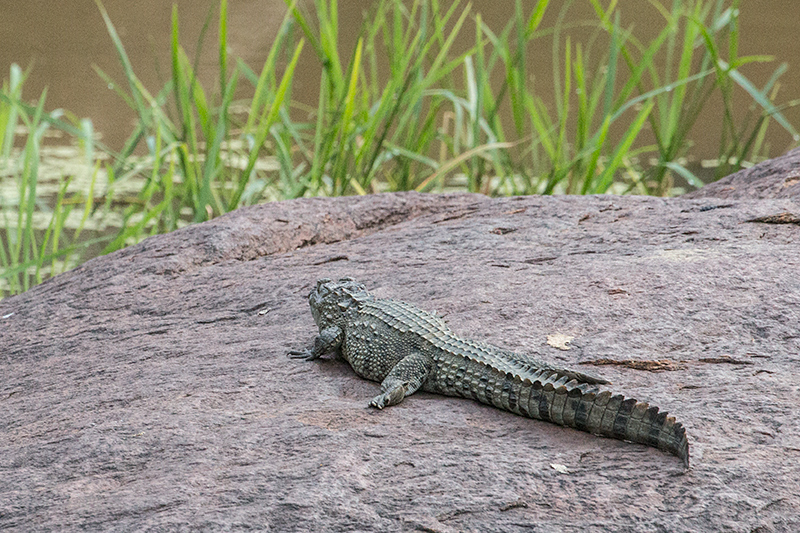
<point x="304" y="354"/>
<point x="388" y="398"/>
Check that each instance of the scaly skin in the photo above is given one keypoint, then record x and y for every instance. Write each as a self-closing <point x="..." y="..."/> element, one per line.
<point x="407" y="349"/>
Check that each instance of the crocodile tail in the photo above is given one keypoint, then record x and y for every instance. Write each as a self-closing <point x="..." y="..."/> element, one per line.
<point x="583" y="406"/>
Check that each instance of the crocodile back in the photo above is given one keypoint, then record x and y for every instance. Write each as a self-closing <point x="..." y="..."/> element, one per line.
<point x="409" y="319"/>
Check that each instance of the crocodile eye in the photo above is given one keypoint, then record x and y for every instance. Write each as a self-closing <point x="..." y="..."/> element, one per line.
<point x="346" y="279"/>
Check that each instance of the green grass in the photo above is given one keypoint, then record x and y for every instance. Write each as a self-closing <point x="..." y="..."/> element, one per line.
<point x="34" y="247"/>
<point x="403" y="110"/>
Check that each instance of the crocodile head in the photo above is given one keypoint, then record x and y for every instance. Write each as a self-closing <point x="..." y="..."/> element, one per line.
<point x="331" y="300"/>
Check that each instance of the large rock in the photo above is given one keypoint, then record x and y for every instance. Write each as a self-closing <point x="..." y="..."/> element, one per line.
<point x="150" y="389"/>
<point x="775" y="178"/>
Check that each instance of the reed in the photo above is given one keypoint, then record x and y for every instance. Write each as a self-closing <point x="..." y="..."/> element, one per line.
<point x="39" y="238"/>
<point x="406" y="109"/>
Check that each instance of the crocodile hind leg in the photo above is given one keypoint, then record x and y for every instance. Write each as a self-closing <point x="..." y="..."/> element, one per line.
<point x="404" y="379"/>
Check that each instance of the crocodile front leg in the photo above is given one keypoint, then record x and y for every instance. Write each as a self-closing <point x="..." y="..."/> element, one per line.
<point x="328" y="340"/>
<point x="404" y="379"/>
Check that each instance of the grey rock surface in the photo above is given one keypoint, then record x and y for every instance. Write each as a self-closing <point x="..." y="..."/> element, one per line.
<point x="774" y="178"/>
<point x="150" y="389"/>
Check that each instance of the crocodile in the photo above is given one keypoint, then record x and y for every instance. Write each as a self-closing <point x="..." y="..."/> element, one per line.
<point x="407" y="349"/>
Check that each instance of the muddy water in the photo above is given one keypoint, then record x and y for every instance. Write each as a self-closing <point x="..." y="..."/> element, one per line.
<point x="62" y="40"/>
